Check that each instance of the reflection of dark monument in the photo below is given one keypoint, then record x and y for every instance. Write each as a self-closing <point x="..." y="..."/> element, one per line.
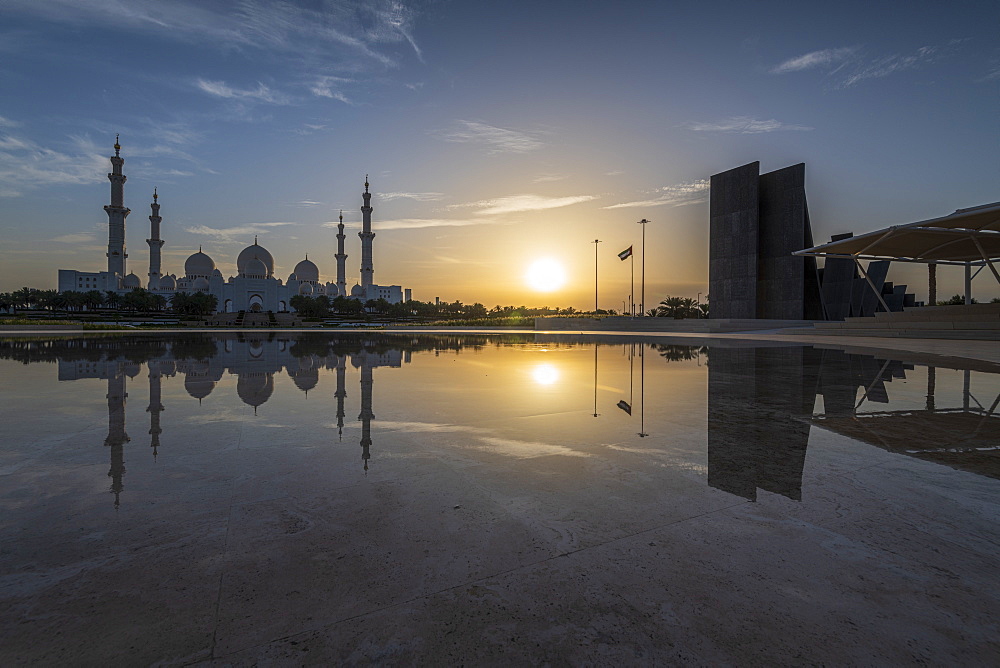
<point x="117" y="438"/>
<point x="757" y="222"/>
<point x="759" y="404"/>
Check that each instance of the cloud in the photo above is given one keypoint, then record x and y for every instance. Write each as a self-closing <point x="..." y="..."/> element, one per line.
<point x="305" y="203"/>
<point x="546" y="178"/>
<point x="519" y="203"/>
<point x="815" y="59"/>
<point x="8" y="123"/>
<point x="231" y="233"/>
<point x="744" y="125"/>
<point x="420" y="197"/>
<point x="75" y="238"/>
<point x="496" y="140"/>
<point x="261" y="93"/>
<point x="417" y="223"/>
<point x="883" y="67"/>
<point x="26" y="165"/>
<point x="329" y="86"/>
<point x="680" y="194"/>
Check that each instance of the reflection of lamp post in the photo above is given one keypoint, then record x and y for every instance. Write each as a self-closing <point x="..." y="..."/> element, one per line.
<point x="642" y="300"/>
<point x="596" y="241"/>
<point x="596" y="414"/>
<point x="642" y="390"/>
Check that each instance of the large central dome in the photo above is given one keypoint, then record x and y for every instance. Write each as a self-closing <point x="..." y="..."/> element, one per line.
<point x="251" y="252"/>
<point x="199" y="264"/>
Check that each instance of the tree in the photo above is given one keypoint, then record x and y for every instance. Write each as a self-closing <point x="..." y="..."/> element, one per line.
<point x="112" y="299"/>
<point x="678" y="308"/>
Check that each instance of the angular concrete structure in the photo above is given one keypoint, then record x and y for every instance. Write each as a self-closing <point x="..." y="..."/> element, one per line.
<point x="757" y="222"/>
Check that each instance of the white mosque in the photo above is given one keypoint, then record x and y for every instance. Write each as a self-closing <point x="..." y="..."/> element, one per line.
<point x="253" y="288"/>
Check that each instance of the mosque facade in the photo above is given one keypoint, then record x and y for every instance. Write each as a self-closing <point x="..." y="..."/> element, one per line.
<point x="254" y="288"/>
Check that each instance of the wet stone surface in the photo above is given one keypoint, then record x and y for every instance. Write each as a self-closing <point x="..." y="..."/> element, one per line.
<point x="315" y="499"/>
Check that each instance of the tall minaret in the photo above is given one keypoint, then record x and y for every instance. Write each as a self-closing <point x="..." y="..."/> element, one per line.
<point x="341" y="258"/>
<point x="341" y="393"/>
<point x="366" y="234"/>
<point x="155" y="244"/>
<point x="116" y="217"/>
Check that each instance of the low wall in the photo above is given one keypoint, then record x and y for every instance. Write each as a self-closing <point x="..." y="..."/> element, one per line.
<point x="625" y="324"/>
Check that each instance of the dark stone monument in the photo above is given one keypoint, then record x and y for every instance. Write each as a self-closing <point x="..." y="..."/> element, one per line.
<point x="756" y="223"/>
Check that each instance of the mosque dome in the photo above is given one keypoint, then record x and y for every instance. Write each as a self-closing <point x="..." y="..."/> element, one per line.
<point x="131" y="369"/>
<point x="305" y="379"/>
<point x="254" y="252"/>
<point x="254" y="268"/>
<point x="357" y="291"/>
<point x="307" y="271"/>
<point x="198" y="386"/>
<point x="131" y="281"/>
<point x="200" y="284"/>
<point x="306" y="289"/>
<point x="168" y="283"/>
<point x="199" y="264"/>
<point x="255" y="388"/>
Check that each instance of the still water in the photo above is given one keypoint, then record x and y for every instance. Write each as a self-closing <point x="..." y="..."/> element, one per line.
<point x="202" y="496"/>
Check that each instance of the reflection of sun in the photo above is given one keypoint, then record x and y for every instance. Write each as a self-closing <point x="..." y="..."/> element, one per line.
<point x="545" y="374"/>
<point x="545" y="275"/>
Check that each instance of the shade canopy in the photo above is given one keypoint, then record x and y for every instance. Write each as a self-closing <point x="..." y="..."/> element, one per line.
<point x="966" y="236"/>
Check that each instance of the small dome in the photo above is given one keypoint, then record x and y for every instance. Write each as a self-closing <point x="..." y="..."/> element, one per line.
<point x="306" y="289"/>
<point x="198" y="386"/>
<point x="254" y="388"/>
<point x="168" y="283"/>
<point x="307" y="271"/>
<point x="200" y="284"/>
<point x="357" y="291"/>
<point x="217" y="273"/>
<point x="255" y="268"/>
<point x="305" y="379"/>
<point x="131" y="281"/>
<point x="254" y="252"/>
<point x="199" y="264"/>
<point x="291" y="277"/>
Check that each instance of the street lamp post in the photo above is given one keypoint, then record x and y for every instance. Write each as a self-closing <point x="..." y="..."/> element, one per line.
<point x="596" y="241"/>
<point x="642" y="299"/>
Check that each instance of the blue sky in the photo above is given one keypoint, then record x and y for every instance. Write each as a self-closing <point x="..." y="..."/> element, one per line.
<point x="493" y="133"/>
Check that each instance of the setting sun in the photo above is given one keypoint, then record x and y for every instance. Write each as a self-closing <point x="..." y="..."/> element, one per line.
<point x="545" y="275"/>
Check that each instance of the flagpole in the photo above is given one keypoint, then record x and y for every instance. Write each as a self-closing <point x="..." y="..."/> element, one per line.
<point x="642" y="302"/>
<point x="596" y="241"/>
<point x="631" y="294"/>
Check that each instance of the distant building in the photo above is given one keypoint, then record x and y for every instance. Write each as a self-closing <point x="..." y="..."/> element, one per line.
<point x="253" y="288"/>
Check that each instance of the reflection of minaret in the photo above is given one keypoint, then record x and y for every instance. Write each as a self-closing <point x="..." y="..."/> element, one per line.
<point x="117" y="438"/>
<point x="155" y="406"/>
<point x="759" y="403"/>
<point x="366" y="415"/>
<point x="116" y="218"/>
<point x="366" y="234"/>
<point x="642" y="390"/>
<point x="155" y="244"/>
<point x="341" y="259"/>
<point x="341" y="393"/>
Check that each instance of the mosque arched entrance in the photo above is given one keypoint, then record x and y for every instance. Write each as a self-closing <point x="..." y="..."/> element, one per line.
<point x="282" y="307"/>
<point x="256" y="303"/>
<point x="229" y="306"/>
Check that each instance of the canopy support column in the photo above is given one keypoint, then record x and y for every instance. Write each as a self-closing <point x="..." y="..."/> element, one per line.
<point x="968" y="283"/>
<point x="986" y="259"/>
<point x="871" y="284"/>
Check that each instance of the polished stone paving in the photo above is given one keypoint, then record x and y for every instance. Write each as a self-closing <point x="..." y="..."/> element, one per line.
<point x="741" y="507"/>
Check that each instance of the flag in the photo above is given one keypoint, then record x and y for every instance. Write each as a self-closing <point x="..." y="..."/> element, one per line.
<point x="625" y="254"/>
<point x="624" y="406"/>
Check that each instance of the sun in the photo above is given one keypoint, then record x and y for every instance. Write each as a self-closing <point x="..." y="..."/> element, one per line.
<point x="545" y="275"/>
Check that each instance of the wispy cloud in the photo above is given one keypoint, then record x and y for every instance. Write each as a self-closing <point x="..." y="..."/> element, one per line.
<point x="547" y="178"/>
<point x="8" y="123"/>
<point x="26" y="165"/>
<point x="744" y="125"/>
<point x="680" y="194"/>
<point x="419" y="197"/>
<point x="521" y="203"/>
<point x="330" y="87"/>
<point x="231" y="233"/>
<point x="418" y="223"/>
<point x="261" y="93"/>
<point x="305" y="203"/>
<point x="495" y="139"/>
<point x="883" y="67"/>
<point x="75" y="238"/>
<point x="824" y="58"/>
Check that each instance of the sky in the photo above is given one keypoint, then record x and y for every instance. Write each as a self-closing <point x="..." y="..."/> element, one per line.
<point x="493" y="134"/>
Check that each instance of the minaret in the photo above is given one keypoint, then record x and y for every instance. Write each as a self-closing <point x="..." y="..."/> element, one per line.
<point x="117" y="438"/>
<point x="155" y="405"/>
<point x="116" y="218"/>
<point x="155" y="244"/>
<point x="341" y="258"/>
<point x="341" y="393"/>
<point x="366" y="234"/>
<point x="367" y="415"/>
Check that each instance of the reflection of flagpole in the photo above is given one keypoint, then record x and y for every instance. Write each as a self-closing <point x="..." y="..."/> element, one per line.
<point x="595" y="380"/>
<point x="642" y="390"/>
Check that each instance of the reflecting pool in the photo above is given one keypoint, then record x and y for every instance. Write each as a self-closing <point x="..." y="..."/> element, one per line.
<point x="388" y="497"/>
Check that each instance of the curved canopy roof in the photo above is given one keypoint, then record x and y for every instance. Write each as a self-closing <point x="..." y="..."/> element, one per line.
<point x="966" y="236"/>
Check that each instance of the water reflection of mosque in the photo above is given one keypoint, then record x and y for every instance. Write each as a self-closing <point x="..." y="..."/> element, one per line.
<point x="203" y="362"/>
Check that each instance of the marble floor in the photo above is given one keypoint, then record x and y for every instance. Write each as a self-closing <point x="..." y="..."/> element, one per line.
<point x="317" y="499"/>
